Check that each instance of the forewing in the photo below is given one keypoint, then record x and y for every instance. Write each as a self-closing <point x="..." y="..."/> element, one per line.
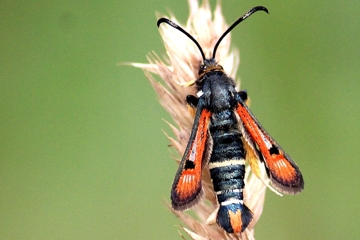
<point x="187" y="189"/>
<point x="283" y="171"/>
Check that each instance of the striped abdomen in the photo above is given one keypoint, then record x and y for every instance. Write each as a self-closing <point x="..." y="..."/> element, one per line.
<point x="227" y="170"/>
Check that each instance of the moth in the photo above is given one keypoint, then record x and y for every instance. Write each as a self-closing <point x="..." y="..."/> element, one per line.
<point x="225" y="134"/>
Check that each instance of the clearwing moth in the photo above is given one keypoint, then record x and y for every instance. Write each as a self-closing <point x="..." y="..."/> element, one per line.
<point x="225" y="134"/>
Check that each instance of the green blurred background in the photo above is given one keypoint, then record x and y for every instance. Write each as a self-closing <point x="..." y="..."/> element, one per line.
<point x="82" y="155"/>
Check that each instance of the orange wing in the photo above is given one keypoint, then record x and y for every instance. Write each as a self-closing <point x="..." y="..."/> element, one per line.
<point x="283" y="171"/>
<point x="187" y="189"/>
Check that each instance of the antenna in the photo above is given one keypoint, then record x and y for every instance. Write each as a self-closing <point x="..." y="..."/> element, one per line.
<point x="242" y="18"/>
<point x="174" y="25"/>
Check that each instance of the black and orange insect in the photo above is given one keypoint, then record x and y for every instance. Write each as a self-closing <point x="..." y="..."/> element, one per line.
<point x="224" y="135"/>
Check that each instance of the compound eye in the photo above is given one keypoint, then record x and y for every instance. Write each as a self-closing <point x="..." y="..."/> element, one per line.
<point x="202" y="69"/>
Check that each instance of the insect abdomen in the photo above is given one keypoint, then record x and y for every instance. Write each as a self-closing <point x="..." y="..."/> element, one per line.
<point x="227" y="170"/>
